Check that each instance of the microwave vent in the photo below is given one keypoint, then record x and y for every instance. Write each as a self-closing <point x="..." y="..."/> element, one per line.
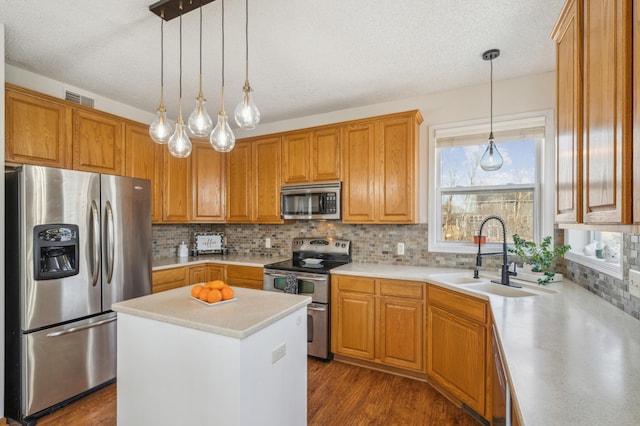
<point x="78" y="99"/>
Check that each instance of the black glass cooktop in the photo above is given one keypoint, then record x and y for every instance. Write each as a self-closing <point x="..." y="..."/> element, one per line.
<point x="299" y="266"/>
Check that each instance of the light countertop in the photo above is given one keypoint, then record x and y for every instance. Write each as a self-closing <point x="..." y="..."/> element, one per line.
<point x="572" y="358"/>
<point x="252" y="310"/>
<point x="232" y="259"/>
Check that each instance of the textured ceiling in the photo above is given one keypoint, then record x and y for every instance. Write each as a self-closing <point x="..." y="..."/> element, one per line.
<point x="306" y="56"/>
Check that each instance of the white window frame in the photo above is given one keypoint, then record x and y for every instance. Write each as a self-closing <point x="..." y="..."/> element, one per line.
<point x="580" y="238"/>
<point x="544" y="188"/>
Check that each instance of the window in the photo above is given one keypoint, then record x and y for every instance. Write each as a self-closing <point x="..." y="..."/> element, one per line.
<point x="462" y="194"/>
<point x="598" y="250"/>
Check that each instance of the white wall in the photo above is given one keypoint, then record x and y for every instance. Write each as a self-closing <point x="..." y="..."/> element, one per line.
<point x="2" y="225"/>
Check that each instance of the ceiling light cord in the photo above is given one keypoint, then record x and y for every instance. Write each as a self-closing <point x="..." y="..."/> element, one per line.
<point x="246" y="41"/>
<point x="222" y="90"/>
<point x="491" y="103"/>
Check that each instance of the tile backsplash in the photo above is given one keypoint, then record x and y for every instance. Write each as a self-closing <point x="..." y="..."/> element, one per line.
<point x="377" y="244"/>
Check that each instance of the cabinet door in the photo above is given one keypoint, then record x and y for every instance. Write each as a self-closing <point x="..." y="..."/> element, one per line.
<point x="38" y="130"/>
<point x="215" y="272"/>
<point x="636" y="111"/>
<point x="239" y="181"/>
<point x="396" y="165"/>
<point x="208" y="175"/>
<point x="144" y="161"/>
<point x="402" y="333"/>
<point x="98" y="143"/>
<point x="198" y="274"/>
<point x="245" y="276"/>
<point x="568" y="38"/>
<point x="358" y="173"/>
<point x="354" y="333"/>
<point x="296" y="153"/>
<point x="325" y="155"/>
<point x="456" y="356"/>
<point x="167" y="279"/>
<point x="607" y="112"/>
<point x="177" y="189"/>
<point x="266" y="180"/>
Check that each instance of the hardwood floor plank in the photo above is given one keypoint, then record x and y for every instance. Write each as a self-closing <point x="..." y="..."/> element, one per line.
<point x="338" y="394"/>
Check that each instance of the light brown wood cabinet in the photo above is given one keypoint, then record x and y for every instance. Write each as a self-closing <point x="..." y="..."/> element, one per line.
<point x="208" y="183"/>
<point x="167" y="279"/>
<point x="177" y="188"/>
<point x="216" y="272"/>
<point x="380" y="165"/>
<point x="311" y="156"/>
<point x="144" y="161"/>
<point x="98" y="142"/>
<point x="37" y="129"/>
<point x="458" y="349"/>
<point x="379" y="320"/>
<point x="596" y="37"/>
<point x="245" y="276"/>
<point x="253" y="181"/>
<point x="198" y="274"/>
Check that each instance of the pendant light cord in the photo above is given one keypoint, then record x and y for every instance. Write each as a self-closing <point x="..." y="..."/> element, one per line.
<point x="223" y="46"/>
<point x="161" y="58"/>
<point x="180" y="85"/>
<point x="246" y="38"/>
<point x="491" y="107"/>
<point x="200" y="43"/>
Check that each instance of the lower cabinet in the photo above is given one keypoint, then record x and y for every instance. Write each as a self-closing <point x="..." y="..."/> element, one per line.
<point x="198" y="274"/>
<point x="457" y="346"/>
<point x="245" y="276"/>
<point x="379" y="320"/>
<point x="167" y="279"/>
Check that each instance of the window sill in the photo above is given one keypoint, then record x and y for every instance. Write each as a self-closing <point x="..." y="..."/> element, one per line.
<point x="613" y="269"/>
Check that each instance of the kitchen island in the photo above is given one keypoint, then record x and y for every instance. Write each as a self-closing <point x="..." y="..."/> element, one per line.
<point x="233" y="363"/>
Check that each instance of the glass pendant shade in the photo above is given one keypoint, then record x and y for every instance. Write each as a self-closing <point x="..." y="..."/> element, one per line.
<point x="247" y="114"/>
<point x="491" y="159"/>
<point x="161" y="128"/>
<point x="200" y="122"/>
<point x="222" y="138"/>
<point x="179" y="143"/>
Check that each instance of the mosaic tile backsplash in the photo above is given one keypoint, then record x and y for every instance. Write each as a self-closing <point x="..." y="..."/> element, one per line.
<point x="377" y="244"/>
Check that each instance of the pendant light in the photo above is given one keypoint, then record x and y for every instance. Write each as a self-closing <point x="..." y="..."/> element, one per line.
<point x="200" y="123"/>
<point x="160" y="129"/>
<point x="491" y="159"/>
<point x="179" y="143"/>
<point x="247" y="114"/>
<point x="222" y="138"/>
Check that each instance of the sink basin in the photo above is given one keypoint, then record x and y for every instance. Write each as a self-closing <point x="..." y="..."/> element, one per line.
<point x="501" y="290"/>
<point x="458" y="278"/>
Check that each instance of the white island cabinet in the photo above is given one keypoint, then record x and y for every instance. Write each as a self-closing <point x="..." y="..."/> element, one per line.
<point x="242" y="362"/>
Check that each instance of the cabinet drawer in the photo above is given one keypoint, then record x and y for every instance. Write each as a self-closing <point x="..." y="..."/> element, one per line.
<point x="403" y="289"/>
<point x="166" y="276"/>
<point x="244" y="272"/>
<point x="356" y="284"/>
<point x="461" y="304"/>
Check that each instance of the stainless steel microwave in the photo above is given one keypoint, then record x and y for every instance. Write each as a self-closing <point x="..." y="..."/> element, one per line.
<point x="320" y="200"/>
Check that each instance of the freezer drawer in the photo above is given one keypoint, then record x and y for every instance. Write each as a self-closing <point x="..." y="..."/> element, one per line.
<point x="62" y="362"/>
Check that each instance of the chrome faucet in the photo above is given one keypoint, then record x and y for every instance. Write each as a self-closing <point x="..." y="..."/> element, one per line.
<point x="505" y="272"/>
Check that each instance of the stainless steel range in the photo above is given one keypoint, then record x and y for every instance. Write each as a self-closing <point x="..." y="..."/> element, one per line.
<point x="308" y="273"/>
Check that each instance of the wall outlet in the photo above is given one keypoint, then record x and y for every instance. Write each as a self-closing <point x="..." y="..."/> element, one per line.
<point x="400" y="249"/>
<point x="634" y="283"/>
<point x="278" y="353"/>
<point x="267" y="242"/>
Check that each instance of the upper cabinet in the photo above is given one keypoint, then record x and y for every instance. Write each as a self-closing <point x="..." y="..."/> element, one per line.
<point x="38" y="129"/>
<point x="379" y="169"/>
<point x="239" y="183"/>
<point x="177" y="188"/>
<point x="311" y="156"/>
<point x="208" y="183"/>
<point x="595" y="112"/>
<point x="144" y="161"/>
<point x="98" y="142"/>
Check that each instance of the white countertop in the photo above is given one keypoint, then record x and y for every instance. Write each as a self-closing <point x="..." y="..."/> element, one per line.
<point x="252" y="311"/>
<point x="572" y="358"/>
<point x="232" y="259"/>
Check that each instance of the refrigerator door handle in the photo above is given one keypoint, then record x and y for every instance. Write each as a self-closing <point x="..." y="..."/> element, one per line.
<point x="95" y="215"/>
<point x="109" y="242"/>
<point x="81" y="327"/>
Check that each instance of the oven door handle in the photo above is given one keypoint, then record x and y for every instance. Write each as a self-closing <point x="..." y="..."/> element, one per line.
<point x="271" y="274"/>
<point x="317" y="308"/>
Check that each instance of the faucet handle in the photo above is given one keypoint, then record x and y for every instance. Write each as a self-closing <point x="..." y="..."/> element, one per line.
<point x="514" y="273"/>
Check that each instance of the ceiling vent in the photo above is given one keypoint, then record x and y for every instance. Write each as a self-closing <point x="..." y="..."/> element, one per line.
<point x="78" y="99"/>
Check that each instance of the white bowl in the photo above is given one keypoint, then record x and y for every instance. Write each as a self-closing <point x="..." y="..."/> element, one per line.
<point x="312" y="261"/>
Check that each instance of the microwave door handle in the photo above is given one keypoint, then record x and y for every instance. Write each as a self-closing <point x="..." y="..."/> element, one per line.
<point x="95" y="219"/>
<point x="109" y="242"/>
<point x="322" y="202"/>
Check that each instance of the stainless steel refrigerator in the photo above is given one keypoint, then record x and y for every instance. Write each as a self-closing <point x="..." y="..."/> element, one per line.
<point x="75" y="242"/>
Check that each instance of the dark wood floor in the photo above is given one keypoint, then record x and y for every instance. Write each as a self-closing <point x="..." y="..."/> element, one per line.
<point x="339" y="394"/>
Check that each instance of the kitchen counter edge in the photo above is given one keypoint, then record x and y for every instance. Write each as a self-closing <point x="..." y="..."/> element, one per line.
<point x="233" y="259"/>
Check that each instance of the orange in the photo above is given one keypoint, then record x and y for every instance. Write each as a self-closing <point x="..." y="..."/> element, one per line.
<point x="217" y="284"/>
<point x="195" y="290"/>
<point x="208" y="284"/>
<point x="214" y="296"/>
<point x="227" y="293"/>
<point x="204" y="293"/>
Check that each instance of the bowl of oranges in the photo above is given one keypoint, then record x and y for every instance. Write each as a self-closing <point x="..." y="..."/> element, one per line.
<point x="214" y="292"/>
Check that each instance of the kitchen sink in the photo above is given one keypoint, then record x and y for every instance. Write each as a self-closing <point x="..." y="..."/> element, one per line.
<point x="458" y="278"/>
<point x="501" y="290"/>
<point x="483" y="284"/>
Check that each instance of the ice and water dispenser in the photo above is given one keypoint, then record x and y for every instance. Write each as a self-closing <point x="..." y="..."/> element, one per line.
<point x="55" y="251"/>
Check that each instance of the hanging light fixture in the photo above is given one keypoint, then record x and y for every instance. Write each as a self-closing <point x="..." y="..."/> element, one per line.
<point x="222" y="138"/>
<point x="160" y="129"/>
<point x="247" y="114"/>
<point x="200" y="123"/>
<point x="491" y="159"/>
<point x="179" y="143"/>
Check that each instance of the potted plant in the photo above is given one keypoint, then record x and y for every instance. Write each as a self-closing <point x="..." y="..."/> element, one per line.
<point x="539" y="257"/>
